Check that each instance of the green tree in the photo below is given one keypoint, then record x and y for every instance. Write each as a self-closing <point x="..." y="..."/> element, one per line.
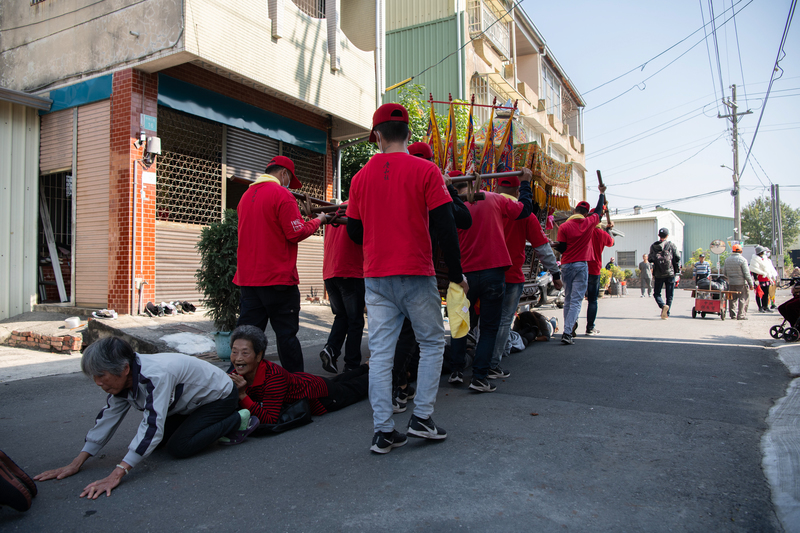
<point x="412" y="96"/>
<point x="757" y="223"/>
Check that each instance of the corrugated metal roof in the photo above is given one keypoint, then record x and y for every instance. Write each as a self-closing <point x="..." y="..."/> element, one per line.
<point x="413" y="49"/>
<point x="700" y="229"/>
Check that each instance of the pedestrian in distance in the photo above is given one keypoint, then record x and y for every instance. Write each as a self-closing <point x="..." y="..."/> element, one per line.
<point x="762" y="274"/>
<point x="702" y="269"/>
<point x="187" y="405"/>
<point x="392" y="200"/>
<point x="575" y="244"/>
<point x="737" y="272"/>
<point x="666" y="262"/>
<point x="270" y="226"/>
<point x="610" y="263"/>
<point x="646" y="276"/>
<point x="601" y="238"/>
<point x="343" y="272"/>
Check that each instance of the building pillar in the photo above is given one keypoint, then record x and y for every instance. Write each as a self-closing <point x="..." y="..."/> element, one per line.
<point x="133" y="93"/>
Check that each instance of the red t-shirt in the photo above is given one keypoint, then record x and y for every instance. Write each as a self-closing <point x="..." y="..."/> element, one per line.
<point x="483" y="245"/>
<point x="343" y="258"/>
<point x="392" y="196"/>
<point x="270" y="226"/>
<point x="600" y="239"/>
<point x="517" y="233"/>
<point x="577" y="233"/>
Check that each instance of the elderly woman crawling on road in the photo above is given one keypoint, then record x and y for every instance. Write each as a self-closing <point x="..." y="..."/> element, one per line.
<point x="187" y="404"/>
<point x="265" y="388"/>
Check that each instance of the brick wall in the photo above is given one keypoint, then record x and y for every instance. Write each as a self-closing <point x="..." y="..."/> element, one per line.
<point x="133" y="93"/>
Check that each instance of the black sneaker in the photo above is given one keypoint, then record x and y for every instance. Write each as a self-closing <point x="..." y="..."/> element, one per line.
<point x="425" y="429"/>
<point x="397" y="407"/>
<point x="328" y="360"/>
<point x="498" y="372"/>
<point x="566" y="338"/>
<point x="593" y="332"/>
<point x="384" y="442"/>
<point x="456" y="377"/>
<point x="403" y="395"/>
<point x="482" y="385"/>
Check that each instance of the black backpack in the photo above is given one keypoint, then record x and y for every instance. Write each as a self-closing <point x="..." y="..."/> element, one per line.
<point x="664" y="258"/>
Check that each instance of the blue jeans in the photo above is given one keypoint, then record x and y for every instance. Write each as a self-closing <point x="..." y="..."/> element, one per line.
<point x="389" y="301"/>
<point x="510" y="304"/>
<point x="489" y="286"/>
<point x="575" y="277"/>
<point x="347" y="304"/>
<point x="669" y="287"/>
<point x="592" y="293"/>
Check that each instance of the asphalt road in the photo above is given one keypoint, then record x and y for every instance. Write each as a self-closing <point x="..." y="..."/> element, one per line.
<point x="653" y="426"/>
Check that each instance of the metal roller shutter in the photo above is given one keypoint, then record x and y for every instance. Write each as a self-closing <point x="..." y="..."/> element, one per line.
<point x="91" y="230"/>
<point x="309" y="267"/>
<point x="177" y="260"/>
<point x="248" y="153"/>
<point x="55" y="149"/>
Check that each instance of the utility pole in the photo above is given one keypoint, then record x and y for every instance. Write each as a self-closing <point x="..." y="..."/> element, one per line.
<point x="734" y="116"/>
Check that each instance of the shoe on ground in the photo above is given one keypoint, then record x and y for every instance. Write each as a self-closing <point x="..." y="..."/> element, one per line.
<point x="594" y="331"/>
<point x="566" y="338"/>
<point x="773" y="306"/>
<point x="425" y="429"/>
<point x="328" y="360"/>
<point x="498" y="372"/>
<point x="767" y="310"/>
<point x="482" y="385"/>
<point x="456" y="377"/>
<point x="14" y="493"/>
<point x="397" y="407"/>
<point x="384" y="442"/>
<point x="238" y="436"/>
<point x="664" y="312"/>
<point x="18" y="473"/>
<point x="403" y="395"/>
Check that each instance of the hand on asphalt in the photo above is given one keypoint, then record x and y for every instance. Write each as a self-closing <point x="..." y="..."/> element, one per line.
<point x="58" y="473"/>
<point x="93" y="490"/>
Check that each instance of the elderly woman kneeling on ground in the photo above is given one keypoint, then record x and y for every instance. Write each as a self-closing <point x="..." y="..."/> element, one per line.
<point x="265" y="388"/>
<point x="187" y="405"/>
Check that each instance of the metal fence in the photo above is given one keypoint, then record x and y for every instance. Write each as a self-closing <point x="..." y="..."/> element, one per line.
<point x="312" y="8"/>
<point x="189" y="187"/>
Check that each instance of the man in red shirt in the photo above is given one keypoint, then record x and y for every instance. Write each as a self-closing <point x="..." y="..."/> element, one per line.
<point x="601" y="238"/>
<point x="517" y="234"/>
<point x="485" y="258"/>
<point x="575" y="244"/>
<point x="270" y="226"/>
<point x="398" y="270"/>
<point x="343" y="272"/>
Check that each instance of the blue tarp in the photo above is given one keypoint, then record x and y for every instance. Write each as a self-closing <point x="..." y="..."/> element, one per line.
<point x="81" y="93"/>
<point x="189" y="98"/>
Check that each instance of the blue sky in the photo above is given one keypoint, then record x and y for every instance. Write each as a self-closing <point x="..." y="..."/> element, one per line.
<point x="673" y="116"/>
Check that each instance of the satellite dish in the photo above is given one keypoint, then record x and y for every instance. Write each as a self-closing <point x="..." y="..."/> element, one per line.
<point x="717" y="246"/>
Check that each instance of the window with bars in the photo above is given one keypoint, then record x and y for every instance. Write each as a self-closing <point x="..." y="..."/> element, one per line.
<point x="57" y="190"/>
<point x="189" y="186"/>
<point x="626" y="259"/>
<point x="312" y="8"/>
<point x="484" y="19"/>
<point x="310" y="170"/>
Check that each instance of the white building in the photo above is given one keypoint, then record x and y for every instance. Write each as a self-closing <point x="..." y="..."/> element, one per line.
<point x="640" y="232"/>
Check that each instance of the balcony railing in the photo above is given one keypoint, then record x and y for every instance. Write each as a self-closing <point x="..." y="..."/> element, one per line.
<point x="482" y="19"/>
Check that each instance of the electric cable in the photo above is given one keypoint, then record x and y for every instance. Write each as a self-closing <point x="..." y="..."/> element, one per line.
<point x="708" y="52"/>
<point x="739" y="52"/>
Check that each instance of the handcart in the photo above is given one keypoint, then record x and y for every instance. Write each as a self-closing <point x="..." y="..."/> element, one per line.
<point x="711" y="301"/>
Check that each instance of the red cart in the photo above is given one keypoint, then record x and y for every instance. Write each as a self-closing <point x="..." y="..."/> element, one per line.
<point x="711" y="301"/>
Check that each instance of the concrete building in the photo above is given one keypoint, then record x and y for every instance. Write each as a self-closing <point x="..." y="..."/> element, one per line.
<point x="641" y="230"/>
<point x="224" y="86"/>
<point x="508" y="59"/>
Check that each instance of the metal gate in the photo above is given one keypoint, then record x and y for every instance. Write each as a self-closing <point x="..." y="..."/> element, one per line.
<point x="247" y="154"/>
<point x="55" y="149"/>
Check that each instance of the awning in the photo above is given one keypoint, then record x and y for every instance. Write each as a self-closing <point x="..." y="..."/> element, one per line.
<point x="85" y="92"/>
<point x="29" y="100"/>
<point x="189" y="98"/>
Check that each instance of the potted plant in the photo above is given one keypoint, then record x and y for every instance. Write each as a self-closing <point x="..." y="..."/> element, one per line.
<point x="217" y="247"/>
<point x="605" y="279"/>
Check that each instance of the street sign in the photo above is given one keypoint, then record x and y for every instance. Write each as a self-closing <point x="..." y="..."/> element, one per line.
<point x="148" y="123"/>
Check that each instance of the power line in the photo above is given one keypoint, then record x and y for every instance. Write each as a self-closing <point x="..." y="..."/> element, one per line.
<point x="776" y="68"/>
<point x="716" y="45"/>
<point x="640" y="136"/>
<point x="739" y="52"/>
<point x="664" y="154"/>
<point x="708" y="52"/>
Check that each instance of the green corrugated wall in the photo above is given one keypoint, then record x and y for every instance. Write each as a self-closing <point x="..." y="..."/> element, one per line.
<point x="700" y="230"/>
<point x="415" y="48"/>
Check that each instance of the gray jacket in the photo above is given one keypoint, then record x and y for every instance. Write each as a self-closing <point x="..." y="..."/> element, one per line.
<point x="737" y="270"/>
<point x="164" y="384"/>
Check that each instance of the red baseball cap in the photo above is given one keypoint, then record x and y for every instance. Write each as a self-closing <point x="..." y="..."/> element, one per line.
<point x="584" y="204"/>
<point x="422" y="150"/>
<point x="455" y="173"/>
<point x="511" y="181"/>
<point x="288" y="164"/>
<point x="387" y="113"/>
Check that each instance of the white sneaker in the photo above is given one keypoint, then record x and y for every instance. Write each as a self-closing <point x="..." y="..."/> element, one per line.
<point x="664" y="311"/>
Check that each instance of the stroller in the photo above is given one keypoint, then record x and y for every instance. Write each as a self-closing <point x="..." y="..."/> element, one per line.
<point x="790" y="311"/>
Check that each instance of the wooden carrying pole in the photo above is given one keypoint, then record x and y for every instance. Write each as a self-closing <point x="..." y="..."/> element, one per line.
<point x="601" y="184"/>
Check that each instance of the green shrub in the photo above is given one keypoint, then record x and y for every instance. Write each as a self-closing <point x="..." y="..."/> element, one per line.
<point x="217" y="247"/>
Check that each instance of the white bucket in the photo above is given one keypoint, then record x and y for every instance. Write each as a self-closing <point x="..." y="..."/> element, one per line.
<point x="73" y="322"/>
